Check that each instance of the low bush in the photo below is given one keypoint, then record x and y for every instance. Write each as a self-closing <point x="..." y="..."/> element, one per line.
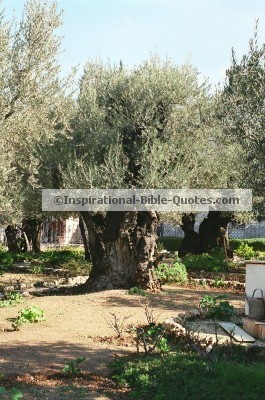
<point x="6" y="260"/>
<point x="215" y="307"/>
<point x="214" y="261"/>
<point x="71" y="368"/>
<point x="14" y="393"/>
<point x="245" y="251"/>
<point x="175" y="273"/>
<point x="185" y="376"/>
<point x="172" y="243"/>
<point x="256" y="244"/>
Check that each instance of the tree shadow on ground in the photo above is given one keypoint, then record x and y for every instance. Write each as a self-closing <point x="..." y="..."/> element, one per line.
<point x="175" y="299"/>
<point x="24" y="358"/>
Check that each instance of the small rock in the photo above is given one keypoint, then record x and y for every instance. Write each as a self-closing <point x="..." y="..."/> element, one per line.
<point x="27" y="295"/>
<point x="9" y="288"/>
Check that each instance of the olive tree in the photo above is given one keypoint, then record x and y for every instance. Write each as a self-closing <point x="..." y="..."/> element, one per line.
<point x="35" y="107"/>
<point x="242" y="113"/>
<point x="149" y="127"/>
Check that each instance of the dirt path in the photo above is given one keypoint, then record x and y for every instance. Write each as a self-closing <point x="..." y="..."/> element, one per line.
<point x="73" y="321"/>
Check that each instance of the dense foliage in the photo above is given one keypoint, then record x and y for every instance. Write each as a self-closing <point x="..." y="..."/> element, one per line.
<point x="175" y="273"/>
<point x="182" y="375"/>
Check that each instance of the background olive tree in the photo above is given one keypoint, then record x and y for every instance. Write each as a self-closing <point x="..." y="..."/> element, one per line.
<point x="242" y="112"/>
<point x="35" y="108"/>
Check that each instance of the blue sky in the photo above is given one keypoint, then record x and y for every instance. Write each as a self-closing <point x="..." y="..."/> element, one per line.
<point x="201" y="31"/>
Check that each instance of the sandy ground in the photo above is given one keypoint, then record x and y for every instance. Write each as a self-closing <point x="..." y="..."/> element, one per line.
<point x="73" y="321"/>
<point x="71" y="326"/>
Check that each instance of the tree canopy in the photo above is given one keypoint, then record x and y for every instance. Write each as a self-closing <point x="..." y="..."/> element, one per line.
<point x="243" y="115"/>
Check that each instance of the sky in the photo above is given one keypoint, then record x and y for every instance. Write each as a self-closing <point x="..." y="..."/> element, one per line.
<point x="199" y="31"/>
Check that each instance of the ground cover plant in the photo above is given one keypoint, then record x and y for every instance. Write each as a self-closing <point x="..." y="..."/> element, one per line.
<point x="175" y="273"/>
<point x="185" y="375"/>
<point x="217" y="307"/>
<point x="6" y="259"/>
<point x="11" y="299"/>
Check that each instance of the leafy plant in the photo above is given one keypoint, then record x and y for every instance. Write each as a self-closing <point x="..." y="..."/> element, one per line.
<point x="151" y="337"/>
<point x="256" y="244"/>
<point x="184" y="375"/>
<point x="6" y="260"/>
<point x="14" y="393"/>
<point x="245" y="251"/>
<point x="171" y="273"/>
<point x="215" y="261"/>
<point x="217" y="308"/>
<point x="37" y="269"/>
<point x="260" y="255"/>
<point x="219" y="282"/>
<point x="11" y="299"/>
<point x="71" y="368"/>
<point x="30" y="314"/>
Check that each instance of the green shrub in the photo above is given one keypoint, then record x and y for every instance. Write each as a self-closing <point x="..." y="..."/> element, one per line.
<point x="170" y="243"/>
<point x="185" y="376"/>
<point x="245" y="251"/>
<point x="71" y="368"/>
<point x="256" y="244"/>
<point x="175" y="273"/>
<point x="14" y="393"/>
<point x="215" y="261"/>
<point x="51" y="257"/>
<point x="151" y="337"/>
<point x="260" y="255"/>
<point x="6" y="260"/>
<point x="217" y="308"/>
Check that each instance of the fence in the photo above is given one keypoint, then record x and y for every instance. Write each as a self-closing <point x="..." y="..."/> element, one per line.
<point x="63" y="232"/>
<point x="56" y="232"/>
<point x="255" y="230"/>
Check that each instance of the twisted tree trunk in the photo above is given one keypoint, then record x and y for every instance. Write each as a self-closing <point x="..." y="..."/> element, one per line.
<point x="121" y="246"/>
<point x="32" y="228"/>
<point x="212" y="233"/>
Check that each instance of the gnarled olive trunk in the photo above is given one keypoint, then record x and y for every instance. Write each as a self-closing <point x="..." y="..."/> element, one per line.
<point x="212" y="233"/>
<point x="32" y="228"/>
<point x="121" y="246"/>
<point x="191" y="242"/>
<point x="11" y="238"/>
